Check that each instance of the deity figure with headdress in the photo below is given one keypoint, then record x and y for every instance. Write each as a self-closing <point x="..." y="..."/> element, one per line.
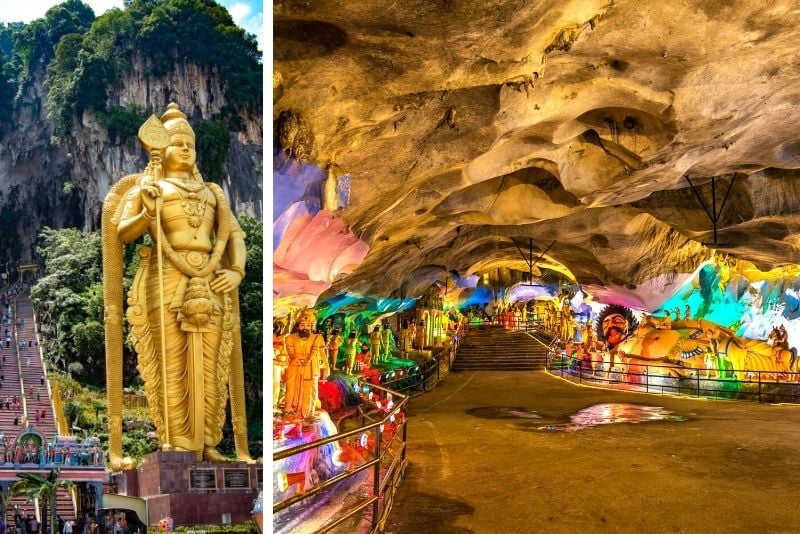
<point x="306" y="352"/>
<point x="183" y="305"/>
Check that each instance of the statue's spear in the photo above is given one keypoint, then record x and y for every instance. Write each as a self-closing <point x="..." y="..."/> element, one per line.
<point x="155" y="138"/>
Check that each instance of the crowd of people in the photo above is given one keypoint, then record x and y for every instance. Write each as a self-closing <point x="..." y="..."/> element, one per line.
<point x="28" y="524"/>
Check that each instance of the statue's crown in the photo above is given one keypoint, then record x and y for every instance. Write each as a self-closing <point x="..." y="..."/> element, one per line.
<point x="308" y="315"/>
<point x="175" y="122"/>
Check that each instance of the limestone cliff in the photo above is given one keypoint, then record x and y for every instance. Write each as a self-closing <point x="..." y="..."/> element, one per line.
<point x="56" y="183"/>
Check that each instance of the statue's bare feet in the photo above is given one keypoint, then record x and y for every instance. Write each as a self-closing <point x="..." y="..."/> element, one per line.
<point x="243" y="457"/>
<point x="211" y="454"/>
<point x="117" y="463"/>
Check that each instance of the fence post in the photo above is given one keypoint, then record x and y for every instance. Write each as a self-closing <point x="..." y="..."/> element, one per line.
<point x="376" y="483"/>
<point x="698" y="382"/>
<point x="405" y="437"/>
<point x="438" y="366"/>
<point x="647" y="379"/>
<point x="759" y="386"/>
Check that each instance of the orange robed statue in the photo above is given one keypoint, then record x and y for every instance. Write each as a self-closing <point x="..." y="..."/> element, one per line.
<point x="305" y="350"/>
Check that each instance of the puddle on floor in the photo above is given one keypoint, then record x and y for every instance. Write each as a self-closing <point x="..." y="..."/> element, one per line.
<point x="609" y="414"/>
<point x="503" y="412"/>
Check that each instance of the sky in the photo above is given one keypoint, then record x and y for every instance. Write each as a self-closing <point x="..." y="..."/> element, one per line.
<point x="247" y="14"/>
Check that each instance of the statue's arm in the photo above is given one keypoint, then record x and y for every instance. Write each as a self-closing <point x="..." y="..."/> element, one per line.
<point x="319" y="346"/>
<point x="288" y="345"/>
<point x="230" y="277"/>
<point x="237" y="251"/>
<point x="139" y="210"/>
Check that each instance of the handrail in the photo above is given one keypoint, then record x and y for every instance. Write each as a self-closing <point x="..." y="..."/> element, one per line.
<point x="285" y="453"/>
<point x="428" y="368"/>
<point x="378" y="515"/>
<point x="19" y="366"/>
<point x="360" y="508"/>
<point x="50" y="390"/>
<point x="513" y="325"/>
<point x="322" y="486"/>
<point x="573" y="367"/>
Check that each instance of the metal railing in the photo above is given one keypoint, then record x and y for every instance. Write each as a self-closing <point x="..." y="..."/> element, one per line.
<point x="527" y="325"/>
<point x="428" y="373"/>
<point x="386" y="407"/>
<point x="675" y="379"/>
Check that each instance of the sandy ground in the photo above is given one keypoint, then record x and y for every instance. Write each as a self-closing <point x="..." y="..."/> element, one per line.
<point x="480" y="462"/>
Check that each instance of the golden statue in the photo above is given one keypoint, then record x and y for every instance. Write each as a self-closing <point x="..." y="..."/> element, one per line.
<point x="387" y="338"/>
<point x="183" y="306"/>
<point x="376" y="344"/>
<point x="334" y="343"/>
<point x="405" y="340"/>
<point x="350" y="350"/>
<point x="306" y="351"/>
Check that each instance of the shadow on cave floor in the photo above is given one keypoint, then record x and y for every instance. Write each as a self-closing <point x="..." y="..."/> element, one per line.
<point x="417" y="511"/>
<point x="491" y="452"/>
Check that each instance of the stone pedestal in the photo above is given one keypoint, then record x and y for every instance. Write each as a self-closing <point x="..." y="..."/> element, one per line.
<point x="175" y="484"/>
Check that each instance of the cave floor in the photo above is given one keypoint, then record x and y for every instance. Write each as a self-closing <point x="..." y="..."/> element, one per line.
<point x="487" y="453"/>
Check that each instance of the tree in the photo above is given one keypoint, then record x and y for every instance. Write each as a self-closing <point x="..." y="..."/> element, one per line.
<point x="34" y="486"/>
<point x="69" y="301"/>
<point x="251" y="302"/>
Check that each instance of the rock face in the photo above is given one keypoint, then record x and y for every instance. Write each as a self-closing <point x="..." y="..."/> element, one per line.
<point x="64" y="184"/>
<point x="467" y="126"/>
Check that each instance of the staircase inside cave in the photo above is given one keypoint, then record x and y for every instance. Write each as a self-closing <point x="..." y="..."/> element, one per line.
<point x="494" y="348"/>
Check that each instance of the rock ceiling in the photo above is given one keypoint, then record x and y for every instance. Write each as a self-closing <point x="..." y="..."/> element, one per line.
<point x="468" y="128"/>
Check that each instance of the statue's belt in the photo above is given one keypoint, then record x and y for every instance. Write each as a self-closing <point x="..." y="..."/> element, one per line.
<point x="194" y="258"/>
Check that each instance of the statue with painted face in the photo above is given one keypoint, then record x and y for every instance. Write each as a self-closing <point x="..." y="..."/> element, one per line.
<point x="305" y="350"/>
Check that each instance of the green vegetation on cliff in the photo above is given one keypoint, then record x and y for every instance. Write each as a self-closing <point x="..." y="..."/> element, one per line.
<point x="68" y="300"/>
<point x="84" y="56"/>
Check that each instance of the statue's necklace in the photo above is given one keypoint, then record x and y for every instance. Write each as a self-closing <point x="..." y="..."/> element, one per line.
<point x="195" y="207"/>
<point x="194" y="202"/>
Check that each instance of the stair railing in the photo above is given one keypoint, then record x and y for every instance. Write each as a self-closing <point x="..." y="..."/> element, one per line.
<point x="421" y="375"/>
<point x="50" y="389"/>
<point x="19" y="367"/>
<point x="385" y="480"/>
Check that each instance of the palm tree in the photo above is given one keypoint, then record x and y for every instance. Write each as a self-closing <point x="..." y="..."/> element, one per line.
<point x="35" y="486"/>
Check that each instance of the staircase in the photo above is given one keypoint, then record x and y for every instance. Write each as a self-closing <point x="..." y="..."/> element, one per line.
<point x="23" y="371"/>
<point x="493" y="348"/>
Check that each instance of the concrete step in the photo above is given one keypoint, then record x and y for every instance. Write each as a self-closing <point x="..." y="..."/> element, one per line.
<point x="496" y="349"/>
<point x="499" y="353"/>
<point x="497" y="368"/>
<point x="500" y="346"/>
<point x="518" y="354"/>
<point x="520" y="361"/>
